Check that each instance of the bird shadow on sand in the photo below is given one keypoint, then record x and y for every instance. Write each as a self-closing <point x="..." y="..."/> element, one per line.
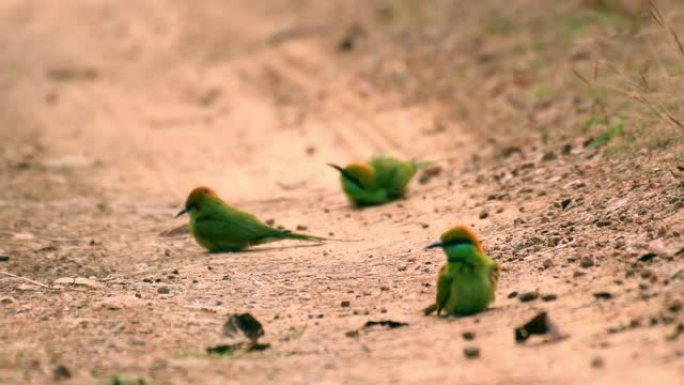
<point x="266" y="249"/>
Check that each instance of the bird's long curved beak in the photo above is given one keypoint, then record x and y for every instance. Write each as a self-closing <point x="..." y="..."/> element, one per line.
<point x="434" y="245"/>
<point x="184" y="211"/>
<point x="336" y="167"/>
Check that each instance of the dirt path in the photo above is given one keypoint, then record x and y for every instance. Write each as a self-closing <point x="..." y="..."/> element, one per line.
<point x="114" y="111"/>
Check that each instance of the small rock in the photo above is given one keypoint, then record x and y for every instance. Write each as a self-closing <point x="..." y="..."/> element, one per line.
<point x="647" y="257"/>
<point x="471" y="352"/>
<point x="538" y="325"/>
<point x="549" y="156"/>
<point x="245" y="323"/>
<point x="578" y="274"/>
<point x="345" y="304"/>
<point x="674" y="307"/>
<point x="23" y="236"/>
<point x="566" y="149"/>
<point x="301" y="228"/>
<point x="61" y="372"/>
<point x="429" y="173"/>
<point x="586" y="262"/>
<point x="468" y="336"/>
<point x="80" y="281"/>
<point x="512" y="294"/>
<point x="528" y="296"/>
<point x="4" y="258"/>
<point x="270" y="221"/>
<point x="597" y="363"/>
<point x="389" y="324"/>
<point x="352" y="333"/>
<point x="603" y="295"/>
<point x="547" y="264"/>
<point x="549" y="297"/>
<point x="566" y="204"/>
<point x="483" y="214"/>
<point x="164" y="290"/>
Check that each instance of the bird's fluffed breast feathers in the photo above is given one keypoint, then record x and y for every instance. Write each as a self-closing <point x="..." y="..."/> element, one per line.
<point x="462" y="234"/>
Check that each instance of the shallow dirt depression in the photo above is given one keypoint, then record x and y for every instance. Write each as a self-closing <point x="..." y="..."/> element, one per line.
<point x="112" y="111"/>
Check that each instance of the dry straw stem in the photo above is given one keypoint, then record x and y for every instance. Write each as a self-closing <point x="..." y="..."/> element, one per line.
<point x="13" y="276"/>
<point x="658" y="17"/>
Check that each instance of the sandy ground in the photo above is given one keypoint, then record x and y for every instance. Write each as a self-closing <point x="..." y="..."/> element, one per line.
<point x="112" y="111"/>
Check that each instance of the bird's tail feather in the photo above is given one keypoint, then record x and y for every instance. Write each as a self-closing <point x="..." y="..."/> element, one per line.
<point x="302" y="237"/>
<point x="423" y="164"/>
<point x="305" y="237"/>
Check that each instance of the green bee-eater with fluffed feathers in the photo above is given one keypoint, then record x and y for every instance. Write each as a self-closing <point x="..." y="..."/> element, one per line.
<point x="467" y="282"/>
<point x="381" y="180"/>
<point x="219" y="227"/>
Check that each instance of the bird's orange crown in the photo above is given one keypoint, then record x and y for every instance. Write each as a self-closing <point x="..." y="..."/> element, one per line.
<point x="200" y="193"/>
<point x="362" y="172"/>
<point x="462" y="233"/>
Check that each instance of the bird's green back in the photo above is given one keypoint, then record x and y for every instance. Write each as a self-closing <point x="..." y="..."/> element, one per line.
<point x="219" y="227"/>
<point x="393" y="175"/>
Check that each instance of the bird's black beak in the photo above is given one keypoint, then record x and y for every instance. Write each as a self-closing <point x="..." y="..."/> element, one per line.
<point x="434" y="245"/>
<point x="184" y="211"/>
<point x="336" y="167"/>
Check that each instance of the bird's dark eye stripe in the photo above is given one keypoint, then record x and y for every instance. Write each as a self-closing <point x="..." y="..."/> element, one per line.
<point x="456" y="242"/>
<point x="352" y="179"/>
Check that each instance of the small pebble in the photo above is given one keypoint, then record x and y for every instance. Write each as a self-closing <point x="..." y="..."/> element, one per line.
<point x="586" y="262"/>
<point x="549" y="297"/>
<point x="345" y="303"/>
<point x="471" y="352"/>
<point x="528" y="296"/>
<point x="4" y="258"/>
<point x="483" y="214"/>
<point x="597" y="363"/>
<point x="164" y="290"/>
<point x="468" y="336"/>
<point x="603" y="295"/>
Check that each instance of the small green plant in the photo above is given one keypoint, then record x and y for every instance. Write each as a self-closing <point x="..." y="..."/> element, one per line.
<point x="613" y="131"/>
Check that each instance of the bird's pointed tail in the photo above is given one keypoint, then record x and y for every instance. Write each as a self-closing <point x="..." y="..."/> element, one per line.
<point x="423" y="164"/>
<point x="302" y="237"/>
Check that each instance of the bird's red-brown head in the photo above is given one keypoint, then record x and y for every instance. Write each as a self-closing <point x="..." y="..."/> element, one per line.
<point x="459" y="235"/>
<point x="196" y="197"/>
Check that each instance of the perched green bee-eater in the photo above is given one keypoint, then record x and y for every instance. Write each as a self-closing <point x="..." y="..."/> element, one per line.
<point x="381" y="180"/>
<point x="467" y="282"/>
<point x="218" y="227"/>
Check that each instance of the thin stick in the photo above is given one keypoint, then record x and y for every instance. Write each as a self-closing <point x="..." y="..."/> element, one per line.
<point x="25" y="279"/>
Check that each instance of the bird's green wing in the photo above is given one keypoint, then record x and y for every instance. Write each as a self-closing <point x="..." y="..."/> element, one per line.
<point x="393" y="174"/>
<point x="362" y="196"/>
<point x="444" y="281"/>
<point x="231" y="229"/>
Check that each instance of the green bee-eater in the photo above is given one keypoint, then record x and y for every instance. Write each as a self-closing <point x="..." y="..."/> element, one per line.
<point x="218" y="227"/>
<point x="467" y="282"/>
<point x="381" y="180"/>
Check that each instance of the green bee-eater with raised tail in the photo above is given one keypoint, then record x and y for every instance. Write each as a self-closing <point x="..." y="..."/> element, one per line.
<point x="219" y="228"/>
<point x="467" y="282"/>
<point x="381" y="180"/>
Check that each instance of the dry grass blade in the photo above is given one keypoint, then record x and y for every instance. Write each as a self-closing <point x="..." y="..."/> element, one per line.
<point x="14" y="276"/>
<point x="581" y="77"/>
